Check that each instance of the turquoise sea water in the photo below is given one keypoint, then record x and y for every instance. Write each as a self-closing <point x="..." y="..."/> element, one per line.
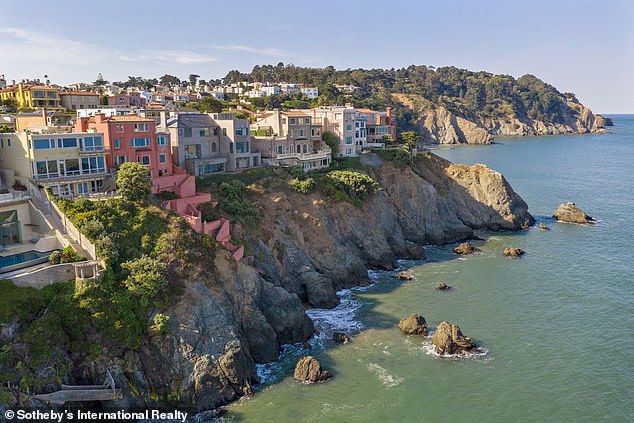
<point x="557" y="324"/>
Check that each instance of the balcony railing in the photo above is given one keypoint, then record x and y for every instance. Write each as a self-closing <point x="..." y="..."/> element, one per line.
<point x="322" y="154"/>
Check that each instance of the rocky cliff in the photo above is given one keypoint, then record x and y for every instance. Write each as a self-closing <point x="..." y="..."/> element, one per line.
<point x="436" y="124"/>
<point x="227" y="316"/>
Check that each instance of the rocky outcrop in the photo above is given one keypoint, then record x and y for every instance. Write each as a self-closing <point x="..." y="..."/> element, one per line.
<point x="313" y="247"/>
<point x="443" y="287"/>
<point x="570" y="213"/>
<point x="465" y="248"/>
<point x="543" y="226"/>
<point x="404" y="276"/>
<point x="448" y="339"/>
<point x="513" y="252"/>
<point x="341" y="337"/>
<point x="438" y="125"/>
<point x="413" y="325"/>
<point x="308" y="370"/>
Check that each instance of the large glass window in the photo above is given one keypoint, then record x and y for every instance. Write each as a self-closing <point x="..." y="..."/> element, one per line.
<point x="242" y="131"/>
<point x="92" y="165"/>
<point x="46" y="169"/>
<point x="139" y="142"/>
<point x="162" y="158"/>
<point x="140" y="127"/>
<point x="162" y="140"/>
<point x="43" y="143"/>
<point x="92" y="144"/>
<point x="72" y="167"/>
<point x="69" y="142"/>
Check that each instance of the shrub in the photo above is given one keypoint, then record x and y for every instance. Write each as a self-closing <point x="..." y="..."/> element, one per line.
<point x="55" y="257"/>
<point x="133" y="182"/>
<point x="166" y="196"/>
<point x="160" y="323"/>
<point x="235" y="201"/>
<point x="305" y="186"/>
<point x="146" y="276"/>
<point x="350" y="185"/>
<point x="399" y="156"/>
<point x="208" y="212"/>
<point x="69" y="255"/>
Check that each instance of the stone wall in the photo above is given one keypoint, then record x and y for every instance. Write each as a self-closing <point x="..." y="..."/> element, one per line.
<point x="45" y="276"/>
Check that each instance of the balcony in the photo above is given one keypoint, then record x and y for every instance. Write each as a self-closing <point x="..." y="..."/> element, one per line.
<point x="315" y="155"/>
<point x="93" y="151"/>
<point x="70" y="176"/>
<point x="13" y="195"/>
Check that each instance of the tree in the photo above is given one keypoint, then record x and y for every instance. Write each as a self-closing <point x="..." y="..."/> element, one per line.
<point x="133" y="182"/>
<point x="169" y="80"/>
<point x="193" y="78"/>
<point x="332" y="141"/>
<point x="146" y="276"/>
<point x="210" y="105"/>
<point x="410" y="138"/>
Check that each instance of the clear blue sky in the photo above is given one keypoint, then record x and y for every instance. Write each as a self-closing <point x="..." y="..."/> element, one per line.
<point x="586" y="47"/>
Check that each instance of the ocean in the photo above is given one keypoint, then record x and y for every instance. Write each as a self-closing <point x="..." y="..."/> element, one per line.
<point x="557" y="325"/>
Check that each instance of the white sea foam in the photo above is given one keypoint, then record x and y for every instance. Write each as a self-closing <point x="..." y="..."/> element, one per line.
<point x="339" y="319"/>
<point x="384" y="376"/>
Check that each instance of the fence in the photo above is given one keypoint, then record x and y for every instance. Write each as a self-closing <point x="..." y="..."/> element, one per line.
<point x="72" y="231"/>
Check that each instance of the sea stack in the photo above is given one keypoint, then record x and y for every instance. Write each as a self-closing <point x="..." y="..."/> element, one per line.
<point x="413" y="325"/>
<point x="570" y="213"/>
<point x="465" y="248"/>
<point x="308" y="370"/>
<point x="514" y="252"/>
<point x="448" y="339"/>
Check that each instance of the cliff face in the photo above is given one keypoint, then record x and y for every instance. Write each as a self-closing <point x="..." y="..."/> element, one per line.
<point x="313" y="247"/>
<point x="438" y="125"/>
<point x="230" y="316"/>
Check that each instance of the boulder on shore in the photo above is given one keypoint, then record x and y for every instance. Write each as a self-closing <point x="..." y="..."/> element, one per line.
<point x="443" y="287"/>
<point x="448" y="339"/>
<point x="308" y="369"/>
<point x="514" y="252"/>
<point x="413" y="325"/>
<point x="341" y="337"/>
<point x="465" y="248"/>
<point x="570" y="213"/>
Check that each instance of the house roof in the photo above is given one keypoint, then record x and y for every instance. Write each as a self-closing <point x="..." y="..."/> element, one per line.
<point x="296" y="113"/>
<point x="87" y="93"/>
<point x="192" y="120"/>
<point x="366" y="111"/>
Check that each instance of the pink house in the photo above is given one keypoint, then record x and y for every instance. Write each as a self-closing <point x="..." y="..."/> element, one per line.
<point x="132" y="138"/>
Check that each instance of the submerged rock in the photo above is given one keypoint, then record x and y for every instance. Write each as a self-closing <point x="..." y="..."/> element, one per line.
<point x="443" y="287"/>
<point x="570" y="213"/>
<point x="405" y="276"/>
<point x="308" y="369"/>
<point x="514" y="252"/>
<point x="413" y="325"/>
<point x="448" y="339"/>
<point x="341" y="337"/>
<point x="465" y="248"/>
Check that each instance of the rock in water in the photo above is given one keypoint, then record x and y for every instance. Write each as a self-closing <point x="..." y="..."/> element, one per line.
<point x="514" y="252"/>
<point x="341" y="337"/>
<point x="405" y="276"/>
<point x="308" y="369"/>
<point x="443" y="287"/>
<point x="569" y="212"/>
<point x="543" y="226"/>
<point x="448" y="339"/>
<point x="465" y="248"/>
<point x="413" y="325"/>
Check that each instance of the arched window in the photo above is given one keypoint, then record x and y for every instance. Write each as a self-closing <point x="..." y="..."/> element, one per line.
<point x="298" y="148"/>
<point x="213" y="147"/>
<point x="305" y="148"/>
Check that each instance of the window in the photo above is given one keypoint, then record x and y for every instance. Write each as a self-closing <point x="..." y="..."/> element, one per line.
<point x="162" y="158"/>
<point x="92" y="144"/>
<point x="214" y="148"/>
<point x="301" y="133"/>
<point x="117" y="143"/>
<point x="119" y="160"/>
<point x="188" y="132"/>
<point x="242" y="131"/>
<point x="145" y="160"/>
<point x="162" y="140"/>
<point x="305" y="148"/>
<point x="192" y="151"/>
<point x="8" y="143"/>
<point x="215" y="130"/>
<point x="242" y="147"/>
<point x="224" y="131"/>
<point x="39" y="144"/>
<point x="119" y="127"/>
<point x="292" y="121"/>
<point x="280" y="149"/>
<point x="307" y="121"/>
<point x="72" y="167"/>
<point x="46" y="169"/>
<point x="348" y="140"/>
<point x="204" y="132"/>
<point x="140" y="127"/>
<point x="92" y="165"/>
<point x="315" y="132"/>
<point x="348" y="127"/>
<point x="139" y="142"/>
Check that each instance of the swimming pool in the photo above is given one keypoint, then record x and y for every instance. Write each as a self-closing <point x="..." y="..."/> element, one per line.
<point x="22" y="260"/>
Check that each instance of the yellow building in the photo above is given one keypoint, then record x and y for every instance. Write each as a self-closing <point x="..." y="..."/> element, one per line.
<point x="71" y="164"/>
<point x="32" y="96"/>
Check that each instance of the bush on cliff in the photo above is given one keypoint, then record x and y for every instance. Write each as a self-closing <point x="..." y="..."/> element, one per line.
<point x="303" y="186"/>
<point x="349" y="185"/>
<point x="236" y="202"/>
